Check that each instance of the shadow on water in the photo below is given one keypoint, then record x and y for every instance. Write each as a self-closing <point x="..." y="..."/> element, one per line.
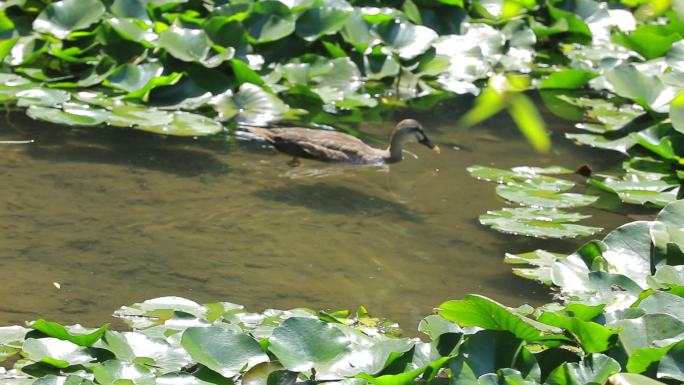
<point x="336" y="199"/>
<point x="118" y="146"/>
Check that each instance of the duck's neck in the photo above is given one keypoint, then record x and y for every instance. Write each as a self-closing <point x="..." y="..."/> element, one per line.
<point x="395" y="148"/>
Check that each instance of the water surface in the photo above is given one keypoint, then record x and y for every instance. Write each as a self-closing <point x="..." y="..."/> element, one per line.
<point x="117" y="216"/>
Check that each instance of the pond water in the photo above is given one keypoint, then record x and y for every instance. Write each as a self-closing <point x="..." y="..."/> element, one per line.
<point x="118" y="216"/>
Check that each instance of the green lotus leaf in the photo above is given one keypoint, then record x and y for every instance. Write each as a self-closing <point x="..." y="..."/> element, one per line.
<point x="269" y="20"/>
<point x="185" y="124"/>
<point x="592" y="337"/>
<point x="26" y="50"/>
<point x="567" y="79"/>
<point x="133" y="347"/>
<point x="531" y="196"/>
<point x="222" y="350"/>
<point x="541" y="259"/>
<point x="75" y="335"/>
<point x="380" y="65"/>
<point x="114" y="372"/>
<point x="304" y="343"/>
<point x="139" y="315"/>
<point x="651" y="41"/>
<point x="328" y="17"/>
<point x="677" y="112"/>
<point x="476" y="310"/>
<point x="133" y="30"/>
<point x="71" y="114"/>
<point x="647" y="331"/>
<point x="593" y="369"/>
<point x="61" y="18"/>
<point x="134" y="9"/>
<point x="534" y="178"/>
<point x="56" y="352"/>
<point x="42" y="97"/>
<point x="489" y="351"/>
<point x="547" y="223"/>
<point x="639" y="189"/>
<point x="435" y="326"/>
<point x="632" y="379"/>
<point x="226" y="32"/>
<point x="599" y="141"/>
<point x="671" y="365"/>
<point x="192" y="45"/>
<point x="251" y="105"/>
<point x="358" y="32"/>
<point x="131" y="77"/>
<point x="646" y="89"/>
<point x="129" y="115"/>
<point x="406" y="39"/>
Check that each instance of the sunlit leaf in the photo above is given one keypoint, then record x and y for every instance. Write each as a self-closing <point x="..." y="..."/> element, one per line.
<point x="64" y="17"/>
<point x="542" y="223"/>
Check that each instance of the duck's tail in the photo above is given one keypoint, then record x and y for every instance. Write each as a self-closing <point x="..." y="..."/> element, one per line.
<point x="264" y="133"/>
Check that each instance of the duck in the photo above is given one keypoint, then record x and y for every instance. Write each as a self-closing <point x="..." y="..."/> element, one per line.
<point x="333" y="146"/>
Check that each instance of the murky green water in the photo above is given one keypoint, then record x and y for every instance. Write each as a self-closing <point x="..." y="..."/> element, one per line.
<point x="116" y="217"/>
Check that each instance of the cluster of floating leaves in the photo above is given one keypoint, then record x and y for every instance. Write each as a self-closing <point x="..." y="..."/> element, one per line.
<point x="618" y="321"/>
<point x="544" y="196"/>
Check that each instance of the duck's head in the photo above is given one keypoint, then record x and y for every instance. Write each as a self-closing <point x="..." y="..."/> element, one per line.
<point x="409" y="130"/>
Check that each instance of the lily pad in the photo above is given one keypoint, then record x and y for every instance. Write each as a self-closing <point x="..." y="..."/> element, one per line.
<point x="548" y="223"/>
<point x="303" y="343"/>
<point x="114" y="372"/>
<point x="223" y="350"/>
<point x="72" y="114"/>
<point x="532" y="196"/>
<point x="328" y="17"/>
<point x="406" y="39"/>
<point x="528" y="176"/>
<point x="269" y="20"/>
<point x="193" y="45"/>
<point x="61" y="18"/>
<point x="251" y="105"/>
<point x="185" y="124"/>
<point x="56" y="352"/>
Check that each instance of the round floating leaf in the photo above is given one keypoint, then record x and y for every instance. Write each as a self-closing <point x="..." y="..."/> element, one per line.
<point x="593" y="369"/>
<point x="250" y="105"/>
<point x="42" y="97"/>
<point x="302" y="343"/>
<point x="677" y="112"/>
<point x="64" y="17"/>
<point x="192" y="45"/>
<point x="129" y="346"/>
<point x="222" y="350"/>
<point x="476" y="310"/>
<point x="531" y="196"/>
<point x="672" y="365"/>
<point x="129" y="115"/>
<point x="269" y="20"/>
<point x="406" y="39"/>
<point x="132" y="77"/>
<point x="529" y="176"/>
<point x="646" y="89"/>
<point x="567" y="79"/>
<point x="357" y="32"/>
<point x="549" y="223"/>
<point x="136" y="9"/>
<point x="646" y="331"/>
<point x="56" y="352"/>
<point x="632" y="379"/>
<point x="82" y="338"/>
<point x="327" y="18"/>
<point x="185" y="124"/>
<point x="71" y="115"/>
<point x="114" y="372"/>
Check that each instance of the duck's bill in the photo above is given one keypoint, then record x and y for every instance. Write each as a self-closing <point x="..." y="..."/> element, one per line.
<point x="427" y="143"/>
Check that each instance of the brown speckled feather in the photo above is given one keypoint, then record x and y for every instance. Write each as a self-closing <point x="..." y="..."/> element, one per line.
<point x="324" y="145"/>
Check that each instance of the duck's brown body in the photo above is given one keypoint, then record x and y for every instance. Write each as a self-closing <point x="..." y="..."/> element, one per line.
<point x="333" y="146"/>
<point x="329" y="146"/>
